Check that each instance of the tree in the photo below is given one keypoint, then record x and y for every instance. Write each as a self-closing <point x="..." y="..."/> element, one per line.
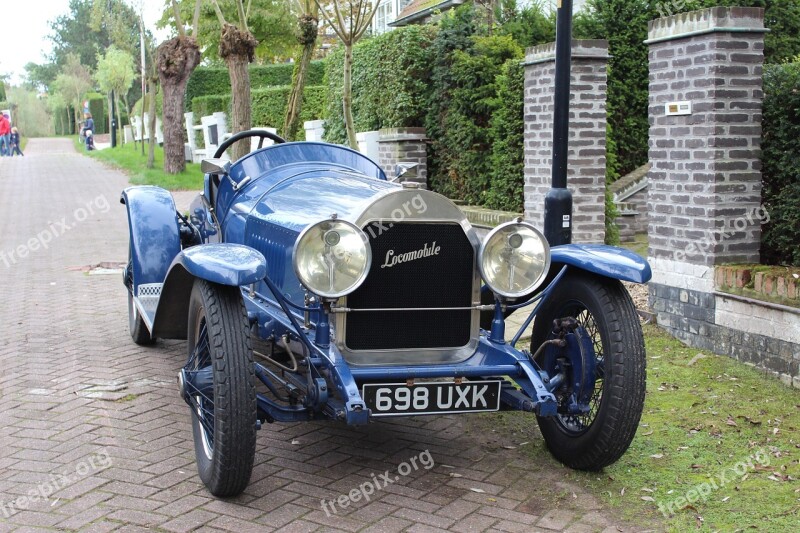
<point x="237" y="48"/>
<point x="349" y="19"/>
<point x="73" y="83"/>
<point x="85" y="31"/>
<point x="57" y="107"/>
<point x="307" y="30"/>
<point x="115" y="73"/>
<point x="176" y="60"/>
<point x="30" y="112"/>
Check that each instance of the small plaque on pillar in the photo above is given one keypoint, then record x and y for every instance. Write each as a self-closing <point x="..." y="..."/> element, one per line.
<point x="676" y="109"/>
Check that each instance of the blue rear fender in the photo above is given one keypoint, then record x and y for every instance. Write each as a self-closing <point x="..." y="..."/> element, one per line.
<point x="608" y="261"/>
<point x="154" y="233"/>
<point x="225" y="264"/>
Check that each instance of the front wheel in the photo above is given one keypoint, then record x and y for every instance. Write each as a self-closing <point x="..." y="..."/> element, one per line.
<point x="223" y="413"/>
<point x="605" y="313"/>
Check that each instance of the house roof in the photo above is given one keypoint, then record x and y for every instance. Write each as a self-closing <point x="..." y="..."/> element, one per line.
<point x="419" y="9"/>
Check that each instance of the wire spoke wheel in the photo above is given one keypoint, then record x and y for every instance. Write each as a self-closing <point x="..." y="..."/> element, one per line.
<point x="577" y="424"/>
<point x="605" y="314"/>
<point x="223" y="411"/>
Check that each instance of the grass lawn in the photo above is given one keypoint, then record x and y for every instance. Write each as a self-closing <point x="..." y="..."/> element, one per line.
<point x="718" y="447"/>
<point x="129" y="158"/>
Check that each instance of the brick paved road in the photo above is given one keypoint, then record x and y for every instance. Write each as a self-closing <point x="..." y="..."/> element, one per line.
<point x="77" y="397"/>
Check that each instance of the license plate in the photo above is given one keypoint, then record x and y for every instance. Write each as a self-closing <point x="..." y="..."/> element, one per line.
<point x="397" y="399"/>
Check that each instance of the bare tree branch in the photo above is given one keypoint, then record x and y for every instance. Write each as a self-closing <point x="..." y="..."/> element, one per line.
<point x="196" y="18"/>
<point x="327" y="18"/>
<point x="242" y="16"/>
<point x="368" y="22"/>
<point x="218" y="11"/>
<point x="178" y="21"/>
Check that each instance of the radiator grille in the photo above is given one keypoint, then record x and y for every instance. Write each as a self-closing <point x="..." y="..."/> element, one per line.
<point x="402" y="277"/>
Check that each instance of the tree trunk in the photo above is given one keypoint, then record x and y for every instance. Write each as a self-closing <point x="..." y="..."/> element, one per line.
<point x="119" y="119"/>
<point x="128" y="112"/>
<point x="151" y="111"/>
<point x="177" y="58"/>
<point x="308" y="26"/>
<point x="237" y="48"/>
<point x="347" y="100"/>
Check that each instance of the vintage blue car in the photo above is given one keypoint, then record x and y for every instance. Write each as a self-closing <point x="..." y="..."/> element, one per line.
<point x="309" y="286"/>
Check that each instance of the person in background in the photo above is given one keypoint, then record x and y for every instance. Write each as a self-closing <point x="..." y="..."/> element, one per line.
<point x="87" y="130"/>
<point x="5" y="135"/>
<point x="15" y="142"/>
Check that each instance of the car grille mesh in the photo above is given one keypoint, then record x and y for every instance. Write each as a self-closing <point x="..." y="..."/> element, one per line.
<point x="437" y="280"/>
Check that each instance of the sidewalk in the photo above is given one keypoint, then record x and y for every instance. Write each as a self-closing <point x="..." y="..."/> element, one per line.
<point x="93" y="434"/>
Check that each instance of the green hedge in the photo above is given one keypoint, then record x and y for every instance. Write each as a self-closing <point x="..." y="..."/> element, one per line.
<point x="98" y="105"/>
<point x="391" y="77"/>
<point x="269" y="106"/>
<point x="508" y="144"/>
<point x="206" y="81"/>
<point x="780" y="241"/>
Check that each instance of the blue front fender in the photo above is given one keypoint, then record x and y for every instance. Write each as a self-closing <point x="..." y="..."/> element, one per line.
<point x="224" y="264"/>
<point x="608" y="261"/>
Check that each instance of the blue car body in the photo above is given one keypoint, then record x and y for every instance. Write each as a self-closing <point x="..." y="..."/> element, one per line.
<point x="242" y="231"/>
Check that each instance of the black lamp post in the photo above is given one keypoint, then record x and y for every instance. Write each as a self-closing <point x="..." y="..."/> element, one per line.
<point x="113" y="122"/>
<point x="558" y="202"/>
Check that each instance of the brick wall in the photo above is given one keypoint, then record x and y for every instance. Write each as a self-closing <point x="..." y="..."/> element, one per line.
<point x="403" y="145"/>
<point x="587" y="136"/>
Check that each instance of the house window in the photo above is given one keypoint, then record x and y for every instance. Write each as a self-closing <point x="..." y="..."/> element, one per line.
<point x="383" y="16"/>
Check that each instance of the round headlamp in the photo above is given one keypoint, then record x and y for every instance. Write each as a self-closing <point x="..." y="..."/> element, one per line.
<point x="514" y="259"/>
<point x="331" y="258"/>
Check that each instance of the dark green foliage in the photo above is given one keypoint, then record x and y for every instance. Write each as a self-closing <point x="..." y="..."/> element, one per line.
<point x="780" y="243"/>
<point x="97" y="107"/>
<point x="76" y="33"/>
<point x="507" y="141"/>
<point x="206" y="81"/>
<point x="269" y="106"/>
<point x="463" y="102"/>
<point x="455" y="34"/>
<point x="528" y="26"/>
<point x="624" y="24"/>
<point x="391" y="76"/>
<point x="2" y="91"/>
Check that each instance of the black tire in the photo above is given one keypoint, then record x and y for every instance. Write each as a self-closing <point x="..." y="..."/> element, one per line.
<point x="224" y="425"/>
<point x="139" y="332"/>
<point x="605" y="310"/>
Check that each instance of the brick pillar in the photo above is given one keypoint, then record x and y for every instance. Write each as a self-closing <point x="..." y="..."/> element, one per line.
<point x="587" y="135"/>
<point x="404" y="145"/>
<point x="705" y="180"/>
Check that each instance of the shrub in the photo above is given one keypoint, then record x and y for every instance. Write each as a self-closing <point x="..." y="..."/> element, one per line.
<point x="507" y="138"/>
<point x="98" y="105"/>
<point x="391" y="74"/>
<point x="206" y="81"/>
<point x="269" y="106"/>
<point x="780" y="243"/>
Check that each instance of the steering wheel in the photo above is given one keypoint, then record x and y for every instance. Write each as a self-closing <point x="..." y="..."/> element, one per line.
<point x="246" y="135"/>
